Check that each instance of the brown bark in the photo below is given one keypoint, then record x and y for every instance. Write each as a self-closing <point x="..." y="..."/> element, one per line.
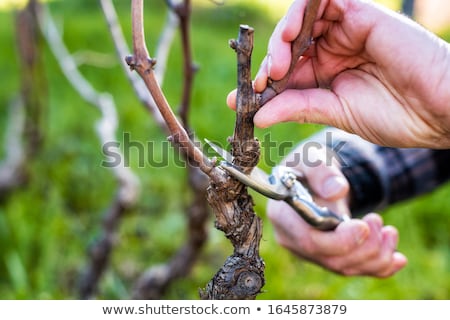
<point x="34" y="84"/>
<point x="26" y="119"/>
<point x="155" y="280"/>
<point x="100" y="251"/>
<point x="242" y="275"/>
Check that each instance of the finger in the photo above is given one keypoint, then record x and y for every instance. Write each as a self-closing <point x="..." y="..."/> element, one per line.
<point x="368" y="246"/>
<point x="398" y="262"/>
<point x="319" y="106"/>
<point x="294" y="233"/>
<point x="231" y="99"/>
<point x="359" y="259"/>
<point x="298" y="236"/>
<point x="293" y="21"/>
<point x="295" y="15"/>
<point x="375" y="258"/>
<point x="279" y="55"/>
<point x="385" y="262"/>
<point x="289" y="227"/>
<point x="348" y="236"/>
<point x="321" y="170"/>
<point x="385" y="265"/>
<point x="393" y="260"/>
<point x="339" y="206"/>
<point x="260" y="82"/>
<point x="374" y="220"/>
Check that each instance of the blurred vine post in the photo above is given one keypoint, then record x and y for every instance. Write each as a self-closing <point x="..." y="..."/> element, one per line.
<point x="25" y="130"/>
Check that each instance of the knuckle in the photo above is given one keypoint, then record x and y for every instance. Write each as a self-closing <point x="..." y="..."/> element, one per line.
<point x="349" y="272"/>
<point x="336" y="265"/>
<point x="384" y="275"/>
<point x="372" y="251"/>
<point x="384" y="263"/>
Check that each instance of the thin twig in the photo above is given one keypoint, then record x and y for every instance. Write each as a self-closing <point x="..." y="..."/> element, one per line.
<point x="143" y="64"/>
<point x="241" y="277"/>
<point x="155" y="280"/>
<point x="162" y="54"/>
<point x="128" y="183"/>
<point x="183" y="11"/>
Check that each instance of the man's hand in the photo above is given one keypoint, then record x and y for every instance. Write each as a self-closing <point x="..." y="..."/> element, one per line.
<point x="356" y="247"/>
<point x="370" y="71"/>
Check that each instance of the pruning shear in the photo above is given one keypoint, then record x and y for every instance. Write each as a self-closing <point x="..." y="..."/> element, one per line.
<point x="282" y="184"/>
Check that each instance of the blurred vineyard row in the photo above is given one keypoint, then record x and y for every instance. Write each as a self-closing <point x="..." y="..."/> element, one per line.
<point x="47" y="226"/>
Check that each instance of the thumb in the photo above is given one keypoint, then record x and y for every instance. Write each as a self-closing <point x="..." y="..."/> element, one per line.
<point x="321" y="170"/>
<point x="317" y="105"/>
<point x="346" y="237"/>
<point x="332" y="186"/>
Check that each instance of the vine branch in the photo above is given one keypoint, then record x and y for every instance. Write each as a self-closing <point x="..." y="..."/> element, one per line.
<point x="183" y="10"/>
<point x="155" y="280"/>
<point x="162" y="54"/>
<point x="242" y="275"/>
<point x="141" y="62"/>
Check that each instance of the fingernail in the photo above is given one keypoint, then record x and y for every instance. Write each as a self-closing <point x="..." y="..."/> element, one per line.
<point x="333" y="186"/>
<point x="392" y="235"/>
<point x="269" y="64"/>
<point x="259" y="84"/>
<point x="361" y="235"/>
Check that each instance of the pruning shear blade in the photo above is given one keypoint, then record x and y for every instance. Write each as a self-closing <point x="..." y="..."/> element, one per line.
<point x="282" y="184"/>
<point x="257" y="180"/>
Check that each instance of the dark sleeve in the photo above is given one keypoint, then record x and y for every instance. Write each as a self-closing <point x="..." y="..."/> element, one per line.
<point x="380" y="176"/>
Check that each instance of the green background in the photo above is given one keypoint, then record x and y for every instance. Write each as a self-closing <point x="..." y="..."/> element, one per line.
<point x="47" y="226"/>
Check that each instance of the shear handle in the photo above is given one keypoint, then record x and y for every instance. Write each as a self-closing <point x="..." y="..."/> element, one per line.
<point x="321" y="218"/>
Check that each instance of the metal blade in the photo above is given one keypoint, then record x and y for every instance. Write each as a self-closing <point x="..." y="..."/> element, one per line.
<point x="221" y="152"/>
<point x="258" y="180"/>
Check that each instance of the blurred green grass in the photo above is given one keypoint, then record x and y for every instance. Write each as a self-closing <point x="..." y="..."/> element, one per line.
<point x="46" y="228"/>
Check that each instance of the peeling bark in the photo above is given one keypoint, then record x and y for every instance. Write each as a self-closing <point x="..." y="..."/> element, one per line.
<point x="242" y="275"/>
